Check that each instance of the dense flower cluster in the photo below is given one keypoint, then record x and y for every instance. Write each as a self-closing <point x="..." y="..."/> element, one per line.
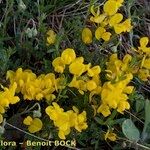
<point x="66" y="120"/>
<point x="85" y="77"/>
<point x="114" y="95"/>
<point x="7" y="97"/>
<point x="117" y="68"/>
<point x="144" y="59"/>
<point x="109" y="19"/>
<point x="35" y="87"/>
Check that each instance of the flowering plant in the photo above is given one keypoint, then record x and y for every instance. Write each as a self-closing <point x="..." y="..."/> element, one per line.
<point x="87" y="79"/>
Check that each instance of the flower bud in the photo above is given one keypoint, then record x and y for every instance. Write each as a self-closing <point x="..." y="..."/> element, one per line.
<point x="87" y="36"/>
<point x="21" y="6"/>
<point x="37" y="114"/>
<point x="2" y="130"/>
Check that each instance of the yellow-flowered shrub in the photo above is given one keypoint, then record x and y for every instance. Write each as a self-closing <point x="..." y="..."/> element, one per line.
<point x="75" y="96"/>
<point x="34" y="87"/>
<point x="64" y="121"/>
<point x="115" y="96"/>
<point x="7" y="97"/>
<point x="143" y="56"/>
<point x="106" y="19"/>
<point x="117" y="68"/>
<point x="71" y="72"/>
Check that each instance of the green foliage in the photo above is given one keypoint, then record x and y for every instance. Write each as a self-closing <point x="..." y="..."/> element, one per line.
<point x="130" y="130"/>
<point x="146" y="129"/>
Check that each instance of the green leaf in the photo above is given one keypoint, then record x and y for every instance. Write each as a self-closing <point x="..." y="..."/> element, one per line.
<point x="147" y="119"/>
<point x="99" y="120"/>
<point x="116" y="121"/>
<point x="139" y="105"/>
<point x="147" y="113"/>
<point x="130" y="130"/>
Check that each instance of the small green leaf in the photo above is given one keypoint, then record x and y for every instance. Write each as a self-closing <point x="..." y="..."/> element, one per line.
<point x="130" y="130"/>
<point x="147" y="113"/>
<point x="139" y="105"/>
<point x="99" y="120"/>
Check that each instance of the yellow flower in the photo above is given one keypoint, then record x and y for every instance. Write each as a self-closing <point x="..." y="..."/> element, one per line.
<point x="77" y="67"/>
<point x="97" y="17"/>
<point x="68" y="56"/>
<point x="126" y="60"/>
<point x="113" y="67"/>
<point x="91" y="85"/>
<point x="28" y="120"/>
<point x="50" y="97"/>
<point x="110" y="7"/>
<point x="127" y="25"/>
<point x="117" y="68"/>
<point x="122" y="106"/>
<point x="8" y="96"/>
<point x="86" y="36"/>
<point x="104" y="109"/>
<point x="147" y="63"/>
<point x="143" y="74"/>
<point x="143" y="45"/>
<point x="80" y="122"/>
<point x="74" y="82"/>
<point x="123" y="27"/>
<point x="144" y="41"/>
<point x="118" y="2"/>
<point x="35" y="124"/>
<point x="110" y="135"/>
<point x="31" y="90"/>
<point x="62" y="133"/>
<point x="2" y="111"/>
<point x="33" y="87"/>
<point x="39" y="96"/>
<point x="50" y="110"/>
<point x="16" y="77"/>
<point x="64" y="121"/>
<point x="118" y="28"/>
<point x="79" y="84"/>
<point x="115" y="95"/>
<point x="20" y="77"/>
<point x="101" y="33"/>
<point x="51" y="37"/>
<point x="1" y="118"/>
<point x="115" y="19"/>
<point x="106" y="36"/>
<point x="94" y="71"/>
<point x="58" y="65"/>
<point x="60" y="118"/>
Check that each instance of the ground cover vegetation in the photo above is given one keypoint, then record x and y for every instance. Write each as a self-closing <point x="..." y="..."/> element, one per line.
<point x="75" y="70"/>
